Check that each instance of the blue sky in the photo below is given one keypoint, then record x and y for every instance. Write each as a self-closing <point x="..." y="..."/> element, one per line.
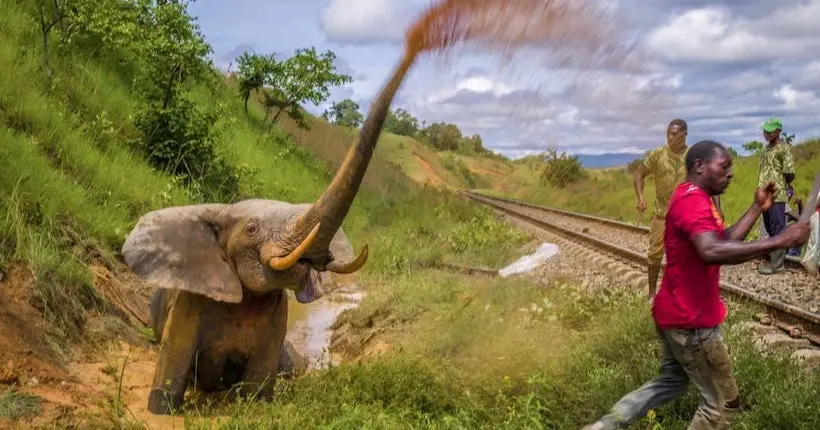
<point x="723" y="66"/>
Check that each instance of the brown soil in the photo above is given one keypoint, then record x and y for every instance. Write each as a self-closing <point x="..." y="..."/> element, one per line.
<point x="24" y="350"/>
<point x="77" y="390"/>
<point x="433" y="178"/>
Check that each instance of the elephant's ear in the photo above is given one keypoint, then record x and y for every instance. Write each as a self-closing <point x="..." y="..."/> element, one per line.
<point x="178" y="248"/>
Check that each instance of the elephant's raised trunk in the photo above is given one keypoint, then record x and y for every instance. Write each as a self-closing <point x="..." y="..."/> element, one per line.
<point x="333" y="205"/>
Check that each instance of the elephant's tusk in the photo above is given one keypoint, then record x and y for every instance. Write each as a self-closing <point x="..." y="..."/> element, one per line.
<point x="351" y="266"/>
<point x="286" y="262"/>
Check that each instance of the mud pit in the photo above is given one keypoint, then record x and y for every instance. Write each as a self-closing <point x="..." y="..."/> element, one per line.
<point x="107" y="379"/>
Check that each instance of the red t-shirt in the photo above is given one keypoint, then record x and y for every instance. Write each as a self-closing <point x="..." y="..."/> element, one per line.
<point x="689" y="296"/>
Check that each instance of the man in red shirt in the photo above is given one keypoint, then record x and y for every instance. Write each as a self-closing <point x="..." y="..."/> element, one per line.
<point x="688" y="309"/>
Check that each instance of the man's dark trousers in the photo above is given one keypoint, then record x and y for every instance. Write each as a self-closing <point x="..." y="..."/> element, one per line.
<point x="774" y="220"/>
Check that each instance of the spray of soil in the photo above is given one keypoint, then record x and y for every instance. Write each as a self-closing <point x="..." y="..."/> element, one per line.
<point x="580" y="42"/>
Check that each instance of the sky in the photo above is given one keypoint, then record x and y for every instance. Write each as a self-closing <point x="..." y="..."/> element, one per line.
<point x="723" y="66"/>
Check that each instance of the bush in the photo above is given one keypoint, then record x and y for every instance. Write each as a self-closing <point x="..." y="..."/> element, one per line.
<point x="562" y="170"/>
<point x="458" y="168"/>
<point x="181" y="140"/>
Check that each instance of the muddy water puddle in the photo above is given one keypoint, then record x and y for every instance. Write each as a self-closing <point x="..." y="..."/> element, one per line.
<point x="309" y="324"/>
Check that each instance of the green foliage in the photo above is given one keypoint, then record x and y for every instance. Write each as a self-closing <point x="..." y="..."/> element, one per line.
<point x="253" y="73"/>
<point x="344" y="113"/>
<point x="753" y="146"/>
<point x="304" y="77"/>
<point x="444" y="137"/>
<point x="480" y="231"/>
<point x="401" y="122"/>
<point x="562" y="169"/>
<point x="182" y="140"/>
<point x="788" y="138"/>
<point x="732" y="152"/>
<point x="458" y="168"/>
<point x="472" y="145"/>
<point x="15" y="405"/>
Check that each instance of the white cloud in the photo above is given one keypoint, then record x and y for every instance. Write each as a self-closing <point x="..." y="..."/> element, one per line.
<point x="362" y="20"/>
<point x="794" y="99"/>
<point x="716" y="34"/>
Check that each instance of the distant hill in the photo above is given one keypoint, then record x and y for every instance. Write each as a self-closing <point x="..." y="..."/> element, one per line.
<point x="606" y="160"/>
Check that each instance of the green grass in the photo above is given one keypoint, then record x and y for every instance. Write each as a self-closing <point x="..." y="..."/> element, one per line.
<point x="511" y="354"/>
<point x="15" y="405"/>
<point x="464" y="353"/>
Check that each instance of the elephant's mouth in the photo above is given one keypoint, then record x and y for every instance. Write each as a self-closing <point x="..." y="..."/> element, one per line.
<point x="310" y="285"/>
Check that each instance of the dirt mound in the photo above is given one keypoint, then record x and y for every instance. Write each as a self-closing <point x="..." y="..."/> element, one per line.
<point x="25" y="355"/>
<point x="54" y="390"/>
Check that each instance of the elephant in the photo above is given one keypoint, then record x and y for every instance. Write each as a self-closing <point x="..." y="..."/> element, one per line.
<point x="222" y="272"/>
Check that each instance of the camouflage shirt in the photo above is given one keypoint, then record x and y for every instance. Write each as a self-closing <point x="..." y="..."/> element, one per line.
<point x="669" y="170"/>
<point x="774" y="163"/>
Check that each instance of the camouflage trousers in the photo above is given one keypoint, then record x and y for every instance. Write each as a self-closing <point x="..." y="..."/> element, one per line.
<point x="699" y="356"/>
<point x="655" y="251"/>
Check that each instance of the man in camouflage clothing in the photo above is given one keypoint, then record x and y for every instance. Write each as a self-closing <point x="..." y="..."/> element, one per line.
<point x="666" y="164"/>
<point x="777" y="166"/>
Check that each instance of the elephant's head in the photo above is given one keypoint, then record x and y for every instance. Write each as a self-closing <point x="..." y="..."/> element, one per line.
<point x="261" y="245"/>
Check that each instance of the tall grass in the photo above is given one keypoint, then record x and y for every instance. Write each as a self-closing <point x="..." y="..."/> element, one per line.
<point x="512" y="354"/>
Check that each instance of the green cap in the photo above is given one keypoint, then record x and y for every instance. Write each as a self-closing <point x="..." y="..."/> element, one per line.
<point x="772" y="124"/>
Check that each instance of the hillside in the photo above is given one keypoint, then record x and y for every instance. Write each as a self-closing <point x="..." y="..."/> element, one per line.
<point x="75" y="180"/>
<point x="92" y="141"/>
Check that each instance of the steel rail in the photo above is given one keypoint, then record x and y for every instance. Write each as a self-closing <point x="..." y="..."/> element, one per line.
<point x="588" y="217"/>
<point x="792" y="311"/>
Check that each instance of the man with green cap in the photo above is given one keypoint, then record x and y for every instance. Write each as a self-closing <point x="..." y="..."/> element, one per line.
<point x="777" y="166"/>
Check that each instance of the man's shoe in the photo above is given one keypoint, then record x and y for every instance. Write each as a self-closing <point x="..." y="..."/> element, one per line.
<point x="777" y="259"/>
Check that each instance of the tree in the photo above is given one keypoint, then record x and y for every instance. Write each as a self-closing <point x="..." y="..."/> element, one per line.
<point x="50" y="13"/>
<point x="788" y="138"/>
<point x="401" y="122"/>
<point x="753" y="146"/>
<point x="304" y="77"/>
<point x="253" y="72"/>
<point x="173" y="52"/>
<point x="444" y="137"/>
<point x="473" y="144"/>
<point x="562" y="169"/>
<point x="732" y="153"/>
<point x="344" y="113"/>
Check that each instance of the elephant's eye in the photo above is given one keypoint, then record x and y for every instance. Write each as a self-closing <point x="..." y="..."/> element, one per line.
<point x="250" y="229"/>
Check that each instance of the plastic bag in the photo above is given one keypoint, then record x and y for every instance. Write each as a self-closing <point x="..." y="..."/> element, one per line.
<point x="529" y="262"/>
<point x="811" y="254"/>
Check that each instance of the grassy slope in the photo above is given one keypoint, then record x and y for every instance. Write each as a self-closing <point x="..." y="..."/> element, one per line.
<point x="72" y="188"/>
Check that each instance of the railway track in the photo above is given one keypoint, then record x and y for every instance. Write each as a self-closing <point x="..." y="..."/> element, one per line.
<point x="795" y="315"/>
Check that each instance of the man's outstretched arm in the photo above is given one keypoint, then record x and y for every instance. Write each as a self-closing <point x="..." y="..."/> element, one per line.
<point x="713" y="250"/>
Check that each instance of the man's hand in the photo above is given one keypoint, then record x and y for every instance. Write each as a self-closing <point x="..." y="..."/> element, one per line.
<point x="764" y="197"/>
<point x="641" y="205"/>
<point x="794" y="235"/>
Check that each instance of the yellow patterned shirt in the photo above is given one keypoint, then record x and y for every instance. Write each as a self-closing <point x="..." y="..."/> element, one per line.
<point x="669" y="170"/>
<point x="774" y="163"/>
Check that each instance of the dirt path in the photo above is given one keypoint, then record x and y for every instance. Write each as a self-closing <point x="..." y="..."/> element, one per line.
<point x="432" y="177"/>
